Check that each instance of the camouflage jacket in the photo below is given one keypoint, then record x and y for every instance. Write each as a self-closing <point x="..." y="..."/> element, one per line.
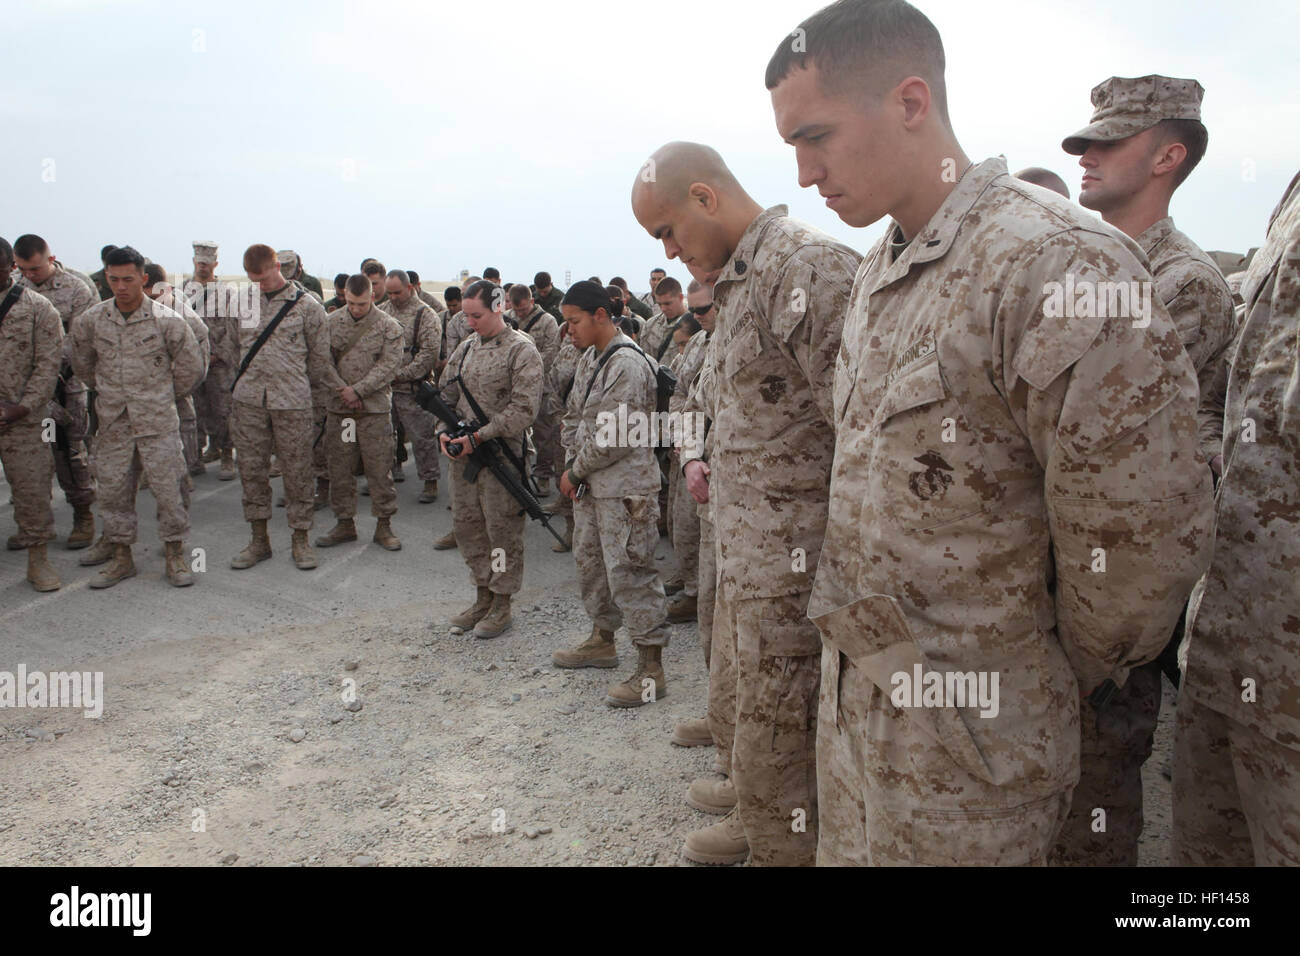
<point x="31" y="351"/>
<point x="504" y="374"/>
<point x="600" y="429"/>
<point x="781" y="300"/>
<point x="217" y="303"/>
<point x="432" y="301"/>
<point x="1015" y="492"/>
<point x="418" y="358"/>
<point x="295" y="357"/>
<point x="139" y="364"/>
<point x="545" y="333"/>
<point x="71" y="294"/>
<point x="372" y="361"/>
<point x="1244" y="621"/>
<point x="1197" y="297"/>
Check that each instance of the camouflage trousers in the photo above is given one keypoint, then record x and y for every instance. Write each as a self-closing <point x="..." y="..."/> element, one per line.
<point x="685" y="531"/>
<point x="120" y="459"/>
<point x="214" y="406"/>
<point x="27" y="465"/>
<point x="372" y="442"/>
<point x="72" y="464"/>
<point x="1114" y="745"/>
<point x="707" y="586"/>
<point x="189" y="432"/>
<point x="546" y="439"/>
<point x="320" y="462"/>
<point x="765" y="668"/>
<point x="489" y="531"/>
<point x="420" y="426"/>
<point x="614" y="548"/>
<point x="257" y="432"/>
<point x="1236" y="793"/>
<point x="880" y="805"/>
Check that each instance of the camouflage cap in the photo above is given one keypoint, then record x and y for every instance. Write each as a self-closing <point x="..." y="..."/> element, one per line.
<point x="1123" y="106"/>
<point x="205" y="251"/>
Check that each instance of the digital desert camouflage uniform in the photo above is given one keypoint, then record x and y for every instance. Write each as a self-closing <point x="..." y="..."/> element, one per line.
<point x="185" y="411"/>
<point x="367" y="353"/>
<point x="140" y="365"/>
<point x="217" y="304"/>
<point x="1117" y="742"/>
<point x="1017" y="495"/>
<point x="1237" y="741"/>
<point x="541" y="327"/>
<point x="615" y="521"/>
<point x="781" y="300"/>
<point x="504" y="374"/>
<point x="657" y="334"/>
<point x="455" y="330"/>
<point x="432" y="301"/>
<point x="71" y="294"/>
<point x="418" y="360"/>
<point x="31" y="351"/>
<point x="686" y="519"/>
<point x="273" y="402"/>
<point x="560" y="379"/>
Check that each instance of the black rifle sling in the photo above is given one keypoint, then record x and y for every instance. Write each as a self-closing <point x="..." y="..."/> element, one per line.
<point x="265" y="334"/>
<point x="668" y="338"/>
<point x="600" y="363"/>
<point x="534" y="320"/>
<point x="483" y="419"/>
<point x="10" y="298"/>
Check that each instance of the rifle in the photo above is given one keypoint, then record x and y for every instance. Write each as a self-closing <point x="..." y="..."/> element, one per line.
<point x="487" y="455"/>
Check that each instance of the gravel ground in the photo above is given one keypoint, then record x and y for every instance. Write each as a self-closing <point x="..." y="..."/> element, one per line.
<point x="228" y="738"/>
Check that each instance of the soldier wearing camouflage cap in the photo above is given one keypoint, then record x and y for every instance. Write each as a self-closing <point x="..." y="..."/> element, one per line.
<point x="214" y="302"/>
<point x="291" y="269"/>
<point x="1145" y="139"/>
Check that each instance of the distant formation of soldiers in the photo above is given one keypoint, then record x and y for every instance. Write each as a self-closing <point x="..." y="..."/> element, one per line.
<point x="956" y="506"/>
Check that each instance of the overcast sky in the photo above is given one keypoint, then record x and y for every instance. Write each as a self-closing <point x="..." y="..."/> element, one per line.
<point x="446" y="135"/>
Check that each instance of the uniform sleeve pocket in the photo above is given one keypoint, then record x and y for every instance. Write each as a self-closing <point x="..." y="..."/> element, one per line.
<point x="1020" y="836"/>
<point x="778" y="639"/>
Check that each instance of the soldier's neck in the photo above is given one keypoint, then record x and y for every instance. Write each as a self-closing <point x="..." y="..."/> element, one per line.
<point x="1139" y="214"/>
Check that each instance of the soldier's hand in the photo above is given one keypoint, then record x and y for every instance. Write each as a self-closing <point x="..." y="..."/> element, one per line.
<point x="1216" y="466"/>
<point x="10" y="413"/>
<point x="697" y="480"/>
<point x="350" y="398"/>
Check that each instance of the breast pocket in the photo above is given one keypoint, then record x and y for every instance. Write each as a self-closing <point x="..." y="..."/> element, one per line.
<point x="743" y="350"/>
<point x="929" y="466"/>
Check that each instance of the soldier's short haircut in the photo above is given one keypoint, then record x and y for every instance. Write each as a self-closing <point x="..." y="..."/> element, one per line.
<point x="867" y="45"/>
<point x="6" y="255"/>
<point x="693" y="286"/>
<point x="340" y="280"/>
<point x="630" y="325"/>
<point x="401" y="275"/>
<point x="1045" y="178"/>
<point x="451" y="293"/>
<point x="491" y="272"/>
<point x="413" y="276"/>
<point x="542" y="280"/>
<point x="28" y="245"/>
<point x="669" y="286"/>
<point x="662" y="272"/>
<point x="617" y="305"/>
<point x="358" y="284"/>
<point x="1192" y="134"/>
<point x="126" y="256"/>
<point x="690" y="323"/>
<point x="484" y="290"/>
<point x="365" y="262"/>
<point x="103" y="253"/>
<point x="374" y="267"/>
<point x="595" y="279"/>
<point x="259" y="257"/>
<point x="155" y="273"/>
<point x="620" y="282"/>
<point x="519" y="292"/>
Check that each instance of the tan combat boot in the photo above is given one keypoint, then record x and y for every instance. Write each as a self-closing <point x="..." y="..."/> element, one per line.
<point x="303" y="556"/>
<point x="384" y="536"/>
<point x="345" y="529"/>
<point x="83" y="529"/>
<point x="430" y="492"/>
<point x="596" y="651"/>
<point x="322" y="499"/>
<point x="398" y="474"/>
<point x="646" y="685"/>
<point x="98" y="554"/>
<point x="568" y="537"/>
<point x="257" y="549"/>
<point x="39" y="572"/>
<point x="712" y="796"/>
<point x="178" y="567"/>
<point x="198" y="468"/>
<point x="475" y="612"/>
<point x="720" y="844"/>
<point x="497" y="621"/>
<point x="212" y="454"/>
<point x="227" y="472"/>
<point x="683" y="608"/>
<point x="693" y="733"/>
<point x="119" y="569"/>
<point x="446" y="542"/>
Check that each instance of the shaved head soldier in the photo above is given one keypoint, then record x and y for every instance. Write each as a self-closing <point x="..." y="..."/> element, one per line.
<point x="992" y="455"/>
<point x="71" y="293"/>
<point x="101" y="283"/>
<point x="781" y="290"/>
<point x="1145" y="138"/>
<point x="1045" y="178"/>
<point x="421" y="345"/>
<point x="30" y="355"/>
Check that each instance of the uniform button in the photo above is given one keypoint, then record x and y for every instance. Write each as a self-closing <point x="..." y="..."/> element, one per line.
<point x="740" y="267"/>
